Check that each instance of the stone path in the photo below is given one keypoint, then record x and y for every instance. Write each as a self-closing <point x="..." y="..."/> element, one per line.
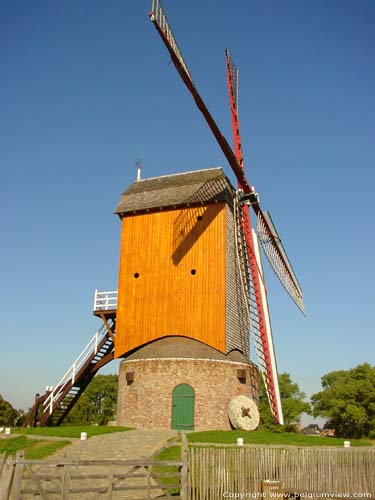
<point x="130" y="445"/>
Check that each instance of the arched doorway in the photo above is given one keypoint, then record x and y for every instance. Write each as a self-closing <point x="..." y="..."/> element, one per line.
<point x="183" y="402"/>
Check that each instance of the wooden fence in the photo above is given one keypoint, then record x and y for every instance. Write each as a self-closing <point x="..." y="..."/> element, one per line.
<point x="93" y="479"/>
<point x="205" y="472"/>
<point x="223" y="471"/>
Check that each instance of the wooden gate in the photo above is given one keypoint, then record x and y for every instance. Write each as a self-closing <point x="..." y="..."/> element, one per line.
<point x="183" y="402"/>
<point x="93" y="479"/>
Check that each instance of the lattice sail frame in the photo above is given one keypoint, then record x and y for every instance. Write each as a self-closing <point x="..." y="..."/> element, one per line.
<point x="278" y="258"/>
<point x="157" y="16"/>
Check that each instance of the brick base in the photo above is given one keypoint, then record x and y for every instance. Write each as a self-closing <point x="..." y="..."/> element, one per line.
<point x="146" y="386"/>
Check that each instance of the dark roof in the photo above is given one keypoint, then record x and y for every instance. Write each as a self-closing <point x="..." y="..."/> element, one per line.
<point x="189" y="188"/>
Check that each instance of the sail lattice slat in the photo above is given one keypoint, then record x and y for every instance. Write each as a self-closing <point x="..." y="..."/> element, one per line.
<point x="276" y="255"/>
<point x="158" y="16"/>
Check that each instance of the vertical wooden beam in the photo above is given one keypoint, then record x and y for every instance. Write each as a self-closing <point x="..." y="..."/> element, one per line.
<point x="184" y="489"/>
<point x="149" y="472"/>
<point x="18" y="473"/>
<point x="65" y="488"/>
<point x="6" y="477"/>
<point x="109" y="329"/>
<point x="2" y="462"/>
<point x="110" y="482"/>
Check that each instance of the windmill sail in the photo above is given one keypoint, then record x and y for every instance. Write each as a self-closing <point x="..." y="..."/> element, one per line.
<point x="267" y="234"/>
<point x="232" y="80"/>
<point x="270" y="373"/>
<point x="158" y="17"/>
<point x="278" y="259"/>
<point x="252" y="284"/>
<point x="260" y="325"/>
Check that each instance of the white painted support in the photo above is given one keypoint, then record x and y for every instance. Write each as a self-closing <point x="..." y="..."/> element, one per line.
<point x="268" y="329"/>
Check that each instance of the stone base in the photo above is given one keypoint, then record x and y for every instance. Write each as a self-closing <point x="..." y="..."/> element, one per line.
<point x="146" y="388"/>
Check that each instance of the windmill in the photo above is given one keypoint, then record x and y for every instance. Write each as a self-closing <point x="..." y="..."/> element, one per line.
<point x="248" y="240"/>
<point x="190" y="287"/>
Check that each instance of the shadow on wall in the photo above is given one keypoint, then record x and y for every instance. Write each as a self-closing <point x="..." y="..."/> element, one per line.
<point x="189" y="227"/>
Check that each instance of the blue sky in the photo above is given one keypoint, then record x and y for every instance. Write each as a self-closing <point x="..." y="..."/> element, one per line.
<point x="86" y="88"/>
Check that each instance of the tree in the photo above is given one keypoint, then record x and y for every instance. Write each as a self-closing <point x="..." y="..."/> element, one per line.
<point x="7" y="413"/>
<point x="348" y="400"/>
<point x="97" y="405"/>
<point x="292" y="400"/>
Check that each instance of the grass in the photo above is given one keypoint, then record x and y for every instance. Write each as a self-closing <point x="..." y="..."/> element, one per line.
<point x="172" y="453"/>
<point x="34" y="449"/>
<point x="71" y="431"/>
<point x="264" y="437"/>
<point x="261" y="437"/>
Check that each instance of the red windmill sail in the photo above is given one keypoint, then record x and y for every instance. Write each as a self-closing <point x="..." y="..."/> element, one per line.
<point x="261" y="327"/>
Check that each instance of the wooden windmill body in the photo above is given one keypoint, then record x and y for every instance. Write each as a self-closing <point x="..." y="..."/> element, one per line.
<point x="181" y="312"/>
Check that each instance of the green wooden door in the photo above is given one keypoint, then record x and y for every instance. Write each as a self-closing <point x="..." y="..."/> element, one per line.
<point x="183" y="401"/>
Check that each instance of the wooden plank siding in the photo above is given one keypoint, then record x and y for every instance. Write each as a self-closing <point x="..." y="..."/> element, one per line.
<point x="172" y="277"/>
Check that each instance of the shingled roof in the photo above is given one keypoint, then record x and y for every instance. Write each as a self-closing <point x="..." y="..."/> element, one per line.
<point x="184" y="189"/>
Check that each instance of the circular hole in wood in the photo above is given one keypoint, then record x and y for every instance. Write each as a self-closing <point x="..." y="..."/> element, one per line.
<point x="136" y="275"/>
<point x="200" y="217"/>
<point x="193" y="271"/>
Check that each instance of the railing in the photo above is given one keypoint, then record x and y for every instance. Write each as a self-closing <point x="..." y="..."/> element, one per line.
<point x="105" y="301"/>
<point x="70" y="375"/>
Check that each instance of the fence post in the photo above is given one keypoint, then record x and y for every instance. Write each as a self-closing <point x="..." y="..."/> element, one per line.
<point x="185" y="467"/>
<point x="2" y="462"/>
<point x="110" y="482"/>
<point x="65" y="488"/>
<point x="18" y="473"/>
<point x="6" y="476"/>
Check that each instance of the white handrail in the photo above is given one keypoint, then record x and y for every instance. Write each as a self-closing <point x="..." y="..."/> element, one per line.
<point x="105" y="301"/>
<point x="70" y="374"/>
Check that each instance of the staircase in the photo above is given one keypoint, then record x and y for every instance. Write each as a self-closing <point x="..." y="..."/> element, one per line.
<point x="52" y="407"/>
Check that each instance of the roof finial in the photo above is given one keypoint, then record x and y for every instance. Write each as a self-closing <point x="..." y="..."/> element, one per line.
<point x="139" y="169"/>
